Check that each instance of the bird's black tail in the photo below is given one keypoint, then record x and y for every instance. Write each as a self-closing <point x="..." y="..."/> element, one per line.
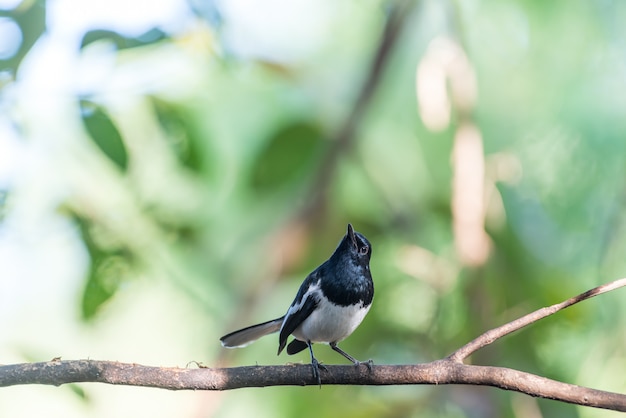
<point x="296" y="346"/>
<point x="245" y="336"/>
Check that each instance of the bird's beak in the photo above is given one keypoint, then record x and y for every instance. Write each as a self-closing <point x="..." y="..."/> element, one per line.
<point x="351" y="236"/>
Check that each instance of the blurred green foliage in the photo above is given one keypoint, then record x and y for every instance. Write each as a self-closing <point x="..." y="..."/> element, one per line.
<point x="192" y="175"/>
<point x="103" y="132"/>
<point x="289" y="156"/>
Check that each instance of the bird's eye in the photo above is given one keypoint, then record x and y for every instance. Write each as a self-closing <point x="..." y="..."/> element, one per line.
<point x="364" y="250"/>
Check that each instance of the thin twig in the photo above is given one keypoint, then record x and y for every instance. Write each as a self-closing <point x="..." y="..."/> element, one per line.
<point x="497" y="333"/>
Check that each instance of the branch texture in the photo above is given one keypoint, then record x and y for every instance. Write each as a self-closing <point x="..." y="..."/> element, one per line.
<point x="441" y="372"/>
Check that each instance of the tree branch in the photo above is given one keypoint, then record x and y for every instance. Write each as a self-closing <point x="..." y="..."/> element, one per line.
<point x="449" y="370"/>
<point x="441" y="372"/>
<point x="497" y="333"/>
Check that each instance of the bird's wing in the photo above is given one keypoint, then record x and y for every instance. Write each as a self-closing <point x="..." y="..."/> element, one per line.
<point x="300" y="309"/>
<point x="245" y="336"/>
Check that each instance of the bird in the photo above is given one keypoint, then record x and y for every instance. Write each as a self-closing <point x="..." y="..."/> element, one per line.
<point x="331" y="303"/>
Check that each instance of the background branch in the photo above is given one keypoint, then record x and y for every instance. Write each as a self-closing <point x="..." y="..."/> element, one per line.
<point x="346" y="134"/>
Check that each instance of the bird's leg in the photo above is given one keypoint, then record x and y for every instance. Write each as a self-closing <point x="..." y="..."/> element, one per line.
<point x="315" y="365"/>
<point x="356" y="362"/>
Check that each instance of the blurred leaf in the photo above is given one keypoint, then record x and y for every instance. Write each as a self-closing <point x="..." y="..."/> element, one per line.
<point x="104" y="133"/>
<point x="31" y="18"/>
<point x="289" y="155"/>
<point x="121" y="41"/>
<point x="3" y="204"/>
<point x="104" y="280"/>
<point x="109" y="267"/>
<point x="186" y="142"/>
<point x="79" y="391"/>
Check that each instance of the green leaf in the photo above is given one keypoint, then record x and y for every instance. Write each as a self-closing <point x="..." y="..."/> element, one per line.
<point x="110" y="265"/>
<point x="187" y="144"/>
<point x="31" y="18"/>
<point x="288" y="156"/>
<point x="79" y="391"/>
<point x="104" y="133"/>
<point x="120" y="41"/>
<point x="104" y="280"/>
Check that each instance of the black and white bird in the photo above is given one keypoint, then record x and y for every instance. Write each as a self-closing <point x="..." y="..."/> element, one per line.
<point x="330" y="305"/>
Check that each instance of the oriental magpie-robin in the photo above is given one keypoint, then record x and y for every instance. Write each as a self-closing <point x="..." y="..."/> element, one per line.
<point x="331" y="303"/>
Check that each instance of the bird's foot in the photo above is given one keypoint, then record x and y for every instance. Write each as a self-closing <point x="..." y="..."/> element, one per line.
<point x="316" y="365"/>
<point x="369" y="363"/>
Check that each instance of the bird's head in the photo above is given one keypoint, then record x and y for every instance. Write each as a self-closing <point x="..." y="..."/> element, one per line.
<point x="358" y="246"/>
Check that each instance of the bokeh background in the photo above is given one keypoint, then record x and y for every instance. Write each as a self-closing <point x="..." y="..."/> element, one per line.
<point x="172" y="170"/>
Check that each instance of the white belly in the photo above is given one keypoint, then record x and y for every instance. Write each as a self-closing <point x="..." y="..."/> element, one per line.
<point x="330" y="323"/>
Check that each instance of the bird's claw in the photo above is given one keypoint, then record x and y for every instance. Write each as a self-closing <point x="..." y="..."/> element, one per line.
<point x="316" y="365"/>
<point x="369" y="363"/>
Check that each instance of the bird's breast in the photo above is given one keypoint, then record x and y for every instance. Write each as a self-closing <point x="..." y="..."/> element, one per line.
<point x="330" y="322"/>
